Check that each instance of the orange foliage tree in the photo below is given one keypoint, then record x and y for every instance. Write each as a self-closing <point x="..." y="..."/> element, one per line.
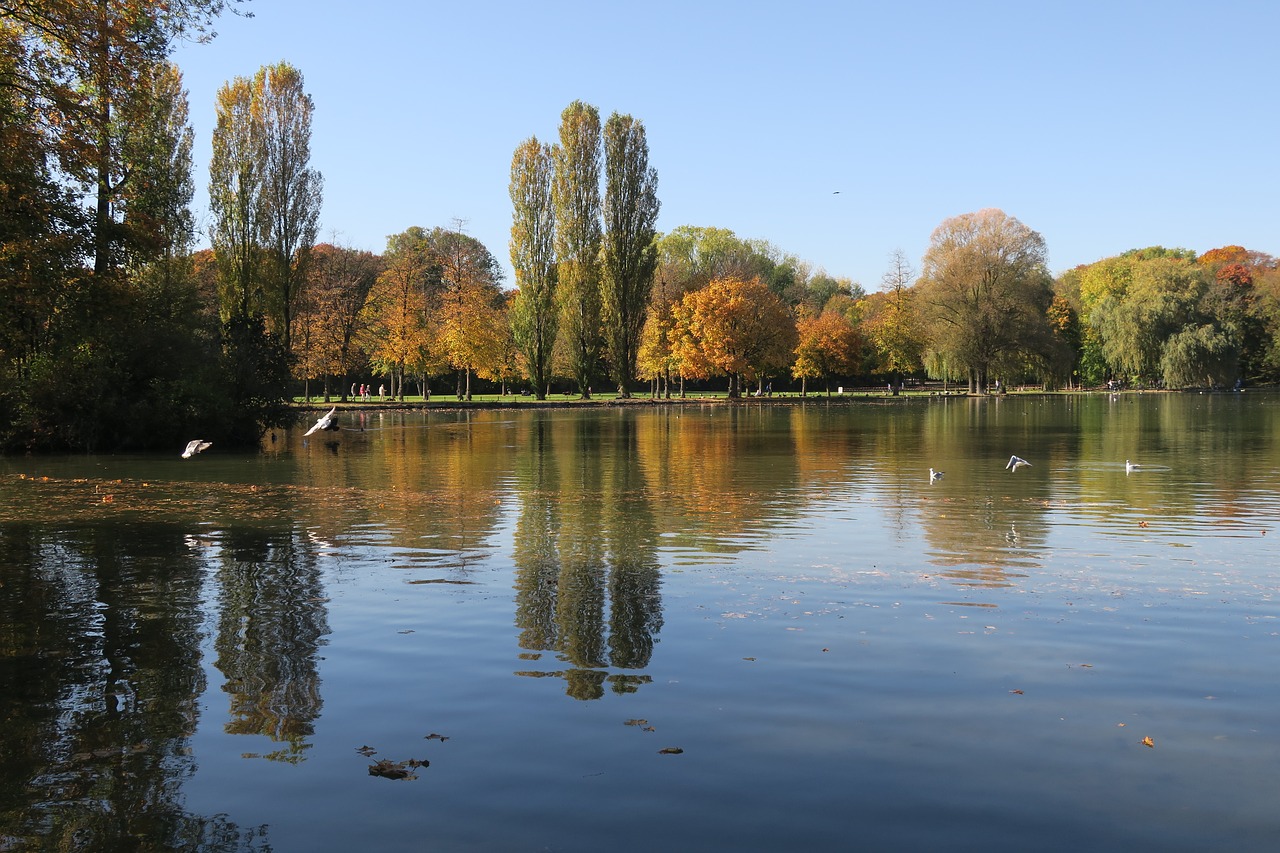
<point x="828" y="345"/>
<point x="732" y="327"/>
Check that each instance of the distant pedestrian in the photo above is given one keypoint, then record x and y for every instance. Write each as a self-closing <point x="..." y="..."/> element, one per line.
<point x="382" y="392"/>
<point x="353" y="390"/>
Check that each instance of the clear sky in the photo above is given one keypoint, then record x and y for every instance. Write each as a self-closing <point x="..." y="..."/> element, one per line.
<point x="838" y="131"/>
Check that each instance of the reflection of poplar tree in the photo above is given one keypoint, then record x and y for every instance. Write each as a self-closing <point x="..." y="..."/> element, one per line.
<point x="99" y="691"/>
<point x="269" y="631"/>
<point x="538" y="564"/>
<point x="576" y="558"/>
<point x="634" y="578"/>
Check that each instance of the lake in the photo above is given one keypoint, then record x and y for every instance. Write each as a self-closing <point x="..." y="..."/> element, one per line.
<point x="740" y="627"/>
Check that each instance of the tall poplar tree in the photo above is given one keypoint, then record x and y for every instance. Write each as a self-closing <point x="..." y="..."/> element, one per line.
<point x="630" y="253"/>
<point x="235" y="186"/>
<point x="264" y="195"/>
<point x="291" y="190"/>
<point x="533" y="314"/>
<point x="576" y="194"/>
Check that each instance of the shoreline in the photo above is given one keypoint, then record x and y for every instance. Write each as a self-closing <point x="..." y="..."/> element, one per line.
<point x="879" y="398"/>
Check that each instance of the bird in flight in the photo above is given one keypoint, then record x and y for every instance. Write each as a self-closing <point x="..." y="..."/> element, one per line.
<point x="195" y="446"/>
<point x="935" y="476"/>
<point x="1016" y="462"/>
<point x="327" y="421"/>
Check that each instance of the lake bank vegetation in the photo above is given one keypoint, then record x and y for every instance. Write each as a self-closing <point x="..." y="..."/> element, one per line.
<point x="117" y="332"/>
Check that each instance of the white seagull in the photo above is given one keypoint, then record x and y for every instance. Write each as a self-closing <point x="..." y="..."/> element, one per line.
<point x="935" y="476"/>
<point x="195" y="446"/>
<point x="328" y="421"/>
<point x="1129" y="467"/>
<point x="1016" y="462"/>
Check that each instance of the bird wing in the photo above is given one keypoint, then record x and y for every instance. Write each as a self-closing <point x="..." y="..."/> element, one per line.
<point x="323" y="422"/>
<point x="195" y="446"/>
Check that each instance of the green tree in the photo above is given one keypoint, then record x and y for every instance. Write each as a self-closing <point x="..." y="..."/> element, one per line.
<point x="985" y="290"/>
<point x="264" y="195"/>
<point x="235" y="187"/>
<point x="533" y="311"/>
<point x="629" y="254"/>
<point x="292" y="191"/>
<point x="576" y="196"/>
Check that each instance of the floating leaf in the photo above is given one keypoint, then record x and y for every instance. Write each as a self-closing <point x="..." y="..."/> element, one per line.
<point x="434" y="736"/>
<point x="670" y="750"/>
<point x="1147" y="741"/>
<point x="1019" y="692"/>
<point x="636" y="722"/>
<point x="388" y="769"/>
<point x="366" y="751"/>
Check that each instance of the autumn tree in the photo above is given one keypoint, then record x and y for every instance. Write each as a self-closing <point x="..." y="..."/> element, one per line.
<point x="893" y="322"/>
<point x="984" y="291"/>
<point x="576" y="196"/>
<point x="1233" y="298"/>
<point x="733" y="327"/>
<point x="395" y="329"/>
<point x="827" y="345"/>
<point x="331" y="318"/>
<point x="533" y="311"/>
<point x="465" y="298"/>
<point x="629" y="254"/>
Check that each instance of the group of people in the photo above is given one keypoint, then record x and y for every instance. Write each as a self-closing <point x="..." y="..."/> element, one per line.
<point x="364" y="393"/>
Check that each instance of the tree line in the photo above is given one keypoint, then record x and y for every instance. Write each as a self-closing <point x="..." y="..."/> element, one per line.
<point x="116" y="334"/>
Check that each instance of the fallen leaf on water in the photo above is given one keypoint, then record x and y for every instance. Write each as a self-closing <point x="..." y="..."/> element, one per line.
<point x="636" y="722"/>
<point x="1142" y="524"/>
<point x="1147" y="741"/>
<point x="434" y="736"/>
<point x="748" y="658"/>
<point x="649" y="729"/>
<point x="366" y="750"/>
<point x="670" y="750"/>
<point x="388" y="769"/>
<point x="1019" y="692"/>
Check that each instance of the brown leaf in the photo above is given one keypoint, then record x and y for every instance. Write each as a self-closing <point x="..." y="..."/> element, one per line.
<point x="1147" y="741"/>
<point x="670" y="750"/>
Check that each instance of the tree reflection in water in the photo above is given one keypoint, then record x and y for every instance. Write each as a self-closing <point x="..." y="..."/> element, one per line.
<point x="584" y="547"/>
<point x="99" y="683"/>
<point x="271" y="624"/>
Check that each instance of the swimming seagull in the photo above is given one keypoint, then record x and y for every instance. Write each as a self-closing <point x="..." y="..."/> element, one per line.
<point x="1129" y="467"/>
<point x="1016" y="462"/>
<point x="935" y="476"/>
<point x="195" y="446"/>
<point x="329" y="421"/>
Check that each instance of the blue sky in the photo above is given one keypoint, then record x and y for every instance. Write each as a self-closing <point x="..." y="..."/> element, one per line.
<point x="838" y="131"/>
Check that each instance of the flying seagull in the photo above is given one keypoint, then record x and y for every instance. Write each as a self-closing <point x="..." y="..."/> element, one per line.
<point x="1016" y="462"/>
<point x="328" y="421"/>
<point x="195" y="446"/>
<point x="935" y="476"/>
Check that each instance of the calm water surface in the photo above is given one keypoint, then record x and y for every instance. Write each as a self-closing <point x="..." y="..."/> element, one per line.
<point x="211" y="654"/>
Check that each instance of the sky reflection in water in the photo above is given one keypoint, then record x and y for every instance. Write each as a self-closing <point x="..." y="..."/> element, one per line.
<point x="845" y="652"/>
